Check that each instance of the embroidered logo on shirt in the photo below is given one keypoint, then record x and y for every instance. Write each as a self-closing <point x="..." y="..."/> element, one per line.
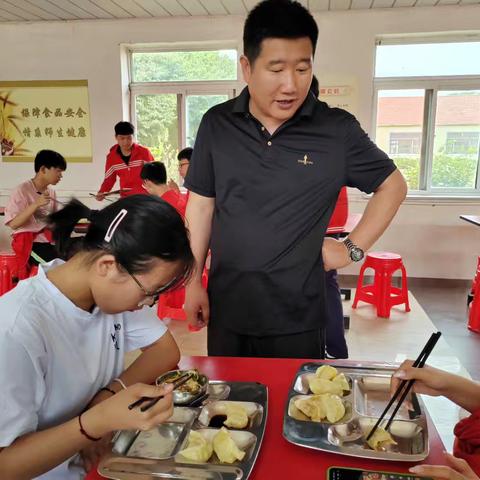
<point x="114" y="336"/>
<point x="305" y="161"/>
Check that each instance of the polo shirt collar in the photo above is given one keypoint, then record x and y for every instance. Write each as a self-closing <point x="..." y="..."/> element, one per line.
<point x="306" y="110"/>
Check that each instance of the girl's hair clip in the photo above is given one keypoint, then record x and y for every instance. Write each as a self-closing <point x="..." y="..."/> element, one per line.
<point x="114" y="225"/>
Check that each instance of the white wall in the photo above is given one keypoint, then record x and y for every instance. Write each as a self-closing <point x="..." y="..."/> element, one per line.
<point x="430" y="236"/>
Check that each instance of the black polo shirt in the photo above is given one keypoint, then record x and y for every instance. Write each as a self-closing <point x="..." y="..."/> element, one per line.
<point x="274" y="195"/>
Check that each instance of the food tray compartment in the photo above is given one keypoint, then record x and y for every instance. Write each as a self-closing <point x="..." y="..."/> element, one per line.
<point x="295" y="413"/>
<point x="302" y="385"/>
<point x="245" y="441"/>
<point x="213" y="414"/>
<point x="372" y="394"/>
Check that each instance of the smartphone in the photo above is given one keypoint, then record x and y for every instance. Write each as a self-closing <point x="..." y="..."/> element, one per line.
<point x="342" y="473"/>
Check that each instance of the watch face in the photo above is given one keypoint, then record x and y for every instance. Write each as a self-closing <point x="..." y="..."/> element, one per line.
<point x="356" y="254"/>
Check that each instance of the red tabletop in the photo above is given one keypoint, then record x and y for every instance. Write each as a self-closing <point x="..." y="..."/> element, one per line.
<point x="279" y="458"/>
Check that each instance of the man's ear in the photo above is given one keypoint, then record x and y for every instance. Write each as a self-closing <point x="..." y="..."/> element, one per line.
<point x="106" y="266"/>
<point x="246" y="68"/>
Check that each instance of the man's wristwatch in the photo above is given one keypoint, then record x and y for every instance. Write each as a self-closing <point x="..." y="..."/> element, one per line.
<point x="354" y="251"/>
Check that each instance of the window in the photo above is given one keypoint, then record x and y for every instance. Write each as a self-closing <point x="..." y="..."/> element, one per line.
<point x="428" y="113"/>
<point x="171" y="91"/>
<point x="405" y="143"/>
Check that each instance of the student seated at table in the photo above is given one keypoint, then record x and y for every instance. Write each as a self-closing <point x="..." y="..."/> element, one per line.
<point x="154" y="176"/>
<point x="64" y="333"/>
<point x="464" y="464"/>
<point x="184" y="156"/>
<point x="29" y="205"/>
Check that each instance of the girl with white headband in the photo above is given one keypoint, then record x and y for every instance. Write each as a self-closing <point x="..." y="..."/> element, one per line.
<point x="64" y="333"/>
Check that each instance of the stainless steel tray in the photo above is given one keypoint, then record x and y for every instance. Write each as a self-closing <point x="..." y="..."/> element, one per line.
<point x="154" y="454"/>
<point x="364" y="404"/>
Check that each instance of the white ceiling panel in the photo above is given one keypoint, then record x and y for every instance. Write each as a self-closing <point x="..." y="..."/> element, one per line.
<point x="340" y="4"/>
<point x="112" y="8"/>
<point x="91" y="8"/>
<point x="249" y="4"/>
<point x="448" y="2"/>
<point x="193" y="7"/>
<point x="10" y="16"/>
<point x="426" y="3"/>
<point x="172" y="7"/>
<point x="25" y="5"/>
<point x="361" y="4"/>
<point x="319" y="5"/>
<point x="152" y="8"/>
<point x="235" y="7"/>
<point x="404" y="3"/>
<point x="64" y="8"/>
<point x="17" y="11"/>
<point x="382" y="3"/>
<point x="214" y="7"/>
<point x="135" y="8"/>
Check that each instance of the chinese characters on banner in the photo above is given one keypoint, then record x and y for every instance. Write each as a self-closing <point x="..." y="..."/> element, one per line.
<point x="45" y="114"/>
<point x="340" y="97"/>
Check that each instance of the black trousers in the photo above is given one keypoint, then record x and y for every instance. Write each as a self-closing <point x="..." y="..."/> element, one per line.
<point x="225" y="343"/>
<point x="46" y="251"/>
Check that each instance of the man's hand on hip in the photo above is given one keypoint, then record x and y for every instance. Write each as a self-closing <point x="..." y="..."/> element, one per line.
<point x="335" y="254"/>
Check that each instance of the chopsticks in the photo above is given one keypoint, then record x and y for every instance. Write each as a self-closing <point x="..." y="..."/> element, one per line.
<point x="406" y="385"/>
<point x="152" y="401"/>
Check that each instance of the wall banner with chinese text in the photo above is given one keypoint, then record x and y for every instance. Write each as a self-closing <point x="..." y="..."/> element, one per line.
<point x="35" y="115"/>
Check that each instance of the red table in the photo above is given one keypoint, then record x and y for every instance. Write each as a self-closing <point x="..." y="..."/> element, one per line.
<point x="278" y="458"/>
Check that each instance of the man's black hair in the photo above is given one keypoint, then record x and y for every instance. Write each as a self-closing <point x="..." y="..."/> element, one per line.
<point x="155" y="172"/>
<point x="124" y="128"/>
<point x="277" y="19"/>
<point x="185" y="153"/>
<point x="49" y="159"/>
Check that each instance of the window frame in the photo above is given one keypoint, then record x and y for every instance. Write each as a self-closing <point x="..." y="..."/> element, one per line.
<point x="182" y="89"/>
<point x="431" y="87"/>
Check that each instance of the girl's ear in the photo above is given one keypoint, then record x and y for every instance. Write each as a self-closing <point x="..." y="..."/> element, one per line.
<point x="106" y="266"/>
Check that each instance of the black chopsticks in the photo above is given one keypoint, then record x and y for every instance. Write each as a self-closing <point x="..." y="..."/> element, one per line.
<point x="152" y="401"/>
<point x="406" y="385"/>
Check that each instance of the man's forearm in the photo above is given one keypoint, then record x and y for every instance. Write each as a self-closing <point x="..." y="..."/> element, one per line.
<point x="380" y="211"/>
<point x="199" y="216"/>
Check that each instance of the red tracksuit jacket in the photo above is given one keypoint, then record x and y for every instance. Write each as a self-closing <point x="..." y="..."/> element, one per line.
<point x="129" y="175"/>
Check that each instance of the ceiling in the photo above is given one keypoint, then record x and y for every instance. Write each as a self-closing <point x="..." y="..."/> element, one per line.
<point x="41" y="10"/>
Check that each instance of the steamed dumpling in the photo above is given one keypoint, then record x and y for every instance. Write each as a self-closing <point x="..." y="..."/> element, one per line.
<point x="341" y="380"/>
<point x="320" y="407"/>
<point x="322" y="385"/>
<point x="236" y="416"/>
<point x="312" y="407"/>
<point x="326" y="371"/>
<point x="198" y="448"/>
<point x="380" y="439"/>
<point x="225" y="448"/>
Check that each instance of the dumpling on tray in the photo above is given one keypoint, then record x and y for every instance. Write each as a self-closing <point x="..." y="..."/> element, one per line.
<point x="326" y="371"/>
<point x="198" y="448"/>
<point x="321" y="385"/>
<point x="225" y="447"/>
<point x="320" y="407"/>
<point x="380" y="440"/>
<point x="236" y="416"/>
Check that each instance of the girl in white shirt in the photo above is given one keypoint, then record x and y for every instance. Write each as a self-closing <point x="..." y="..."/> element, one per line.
<point x="64" y="333"/>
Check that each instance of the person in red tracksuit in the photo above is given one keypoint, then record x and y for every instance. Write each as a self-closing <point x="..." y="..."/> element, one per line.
<point x="125" y="161"/>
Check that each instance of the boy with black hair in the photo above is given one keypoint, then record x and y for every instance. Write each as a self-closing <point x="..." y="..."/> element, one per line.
<point x="154" y="176"/>
<point x="269" y="165"/>
<point x="28" y="207"/>
<point x="183" y="158"/>
<point x="125" y="161"/>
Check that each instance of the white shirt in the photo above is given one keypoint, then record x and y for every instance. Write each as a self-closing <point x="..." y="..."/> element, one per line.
<point x="54" y="356"/>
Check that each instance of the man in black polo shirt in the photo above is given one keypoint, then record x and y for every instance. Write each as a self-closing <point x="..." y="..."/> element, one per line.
<point x="265" y="174"/>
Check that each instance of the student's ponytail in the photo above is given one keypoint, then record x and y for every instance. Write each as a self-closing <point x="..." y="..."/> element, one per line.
<point x="62" y="223"/>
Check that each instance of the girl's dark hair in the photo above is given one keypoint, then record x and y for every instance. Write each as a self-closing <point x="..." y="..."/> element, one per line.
<point x="277" y="19"/>
<point x="150" y="229"/>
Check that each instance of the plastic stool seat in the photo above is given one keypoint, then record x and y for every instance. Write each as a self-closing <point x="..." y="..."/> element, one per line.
<point x="8" y="271"/>
<point x="381" y="293"/>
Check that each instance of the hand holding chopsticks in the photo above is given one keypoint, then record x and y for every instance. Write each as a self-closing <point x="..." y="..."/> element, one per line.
<point x="405" y="386"/>
<point x="150" y="402"/>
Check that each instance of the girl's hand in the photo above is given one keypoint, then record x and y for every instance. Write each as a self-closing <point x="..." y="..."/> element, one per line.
<point x="428" y="380"/>
<point x="113" y="414"/>
<point x="458" y="469"/>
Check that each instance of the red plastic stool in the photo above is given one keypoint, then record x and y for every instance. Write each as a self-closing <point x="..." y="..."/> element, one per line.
<point x="474" y="314"/>
<point x="475" y="283"/>
<point x="381" y="292"/>
<point x="8" y="271"/>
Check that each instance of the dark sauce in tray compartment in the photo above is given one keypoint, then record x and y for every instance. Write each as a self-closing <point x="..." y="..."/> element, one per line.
<point x="217" y="421"/>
